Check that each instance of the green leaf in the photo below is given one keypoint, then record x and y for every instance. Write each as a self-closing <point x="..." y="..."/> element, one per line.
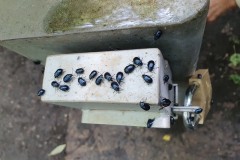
<point x="235" y="59"/>
<point x="235" y="78"/>
<point x="57" y="150"/>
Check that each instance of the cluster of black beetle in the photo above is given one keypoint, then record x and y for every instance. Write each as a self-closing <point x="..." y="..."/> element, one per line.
<point x="115" y="85"/>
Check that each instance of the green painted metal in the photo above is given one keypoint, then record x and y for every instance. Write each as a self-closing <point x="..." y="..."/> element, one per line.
<point x="38" y="28"/>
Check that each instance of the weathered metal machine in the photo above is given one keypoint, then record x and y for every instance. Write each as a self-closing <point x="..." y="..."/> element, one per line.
<point x="105" y="35"/>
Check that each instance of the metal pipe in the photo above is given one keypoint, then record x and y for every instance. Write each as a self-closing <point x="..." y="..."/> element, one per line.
<point x="184" y="108"/>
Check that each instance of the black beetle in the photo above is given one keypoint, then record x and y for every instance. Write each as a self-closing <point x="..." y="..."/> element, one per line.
<point x="157" y="35"/>
<point x="165" y="78"/>
<point x="199" y="76"/>
<point x="151" y="65"/>
<point x="119" y="77"/>
<point x="170" y="86"/>
<point x="37" y="62"/>
<point x="115" y="86"/>
<point x="165" y="102"/>
<point x="67" y="78"/>
<point x="79" y="71"/>
<point x="137" y="61"/>
<point x="41" y="92"/>
<point x="58" y="73"/>
<point x="172" y="120"/>
<point x="144" y="106"/>
<point x="93" y="74"/>
<point x="64" y="88"/>
<point x="129" y="69"/>
<point x="99" y="80"/>
<point x="147" y="79"/>
<point x="150" y="123"/>
<point x="191" y="118"/>
<point x="108" y="76"/>
<point x="43" y="69"/>
<point x="55" y="84"/>
<point x="198" y="111"/>
<point x="82" y="81"/>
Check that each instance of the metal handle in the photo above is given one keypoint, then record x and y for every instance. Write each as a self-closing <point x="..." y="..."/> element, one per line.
<point x="190" y="120"/>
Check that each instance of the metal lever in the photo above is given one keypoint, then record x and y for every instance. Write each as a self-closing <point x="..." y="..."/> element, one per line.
<point x="190" y="120"/>
<point x="191" y="109"/>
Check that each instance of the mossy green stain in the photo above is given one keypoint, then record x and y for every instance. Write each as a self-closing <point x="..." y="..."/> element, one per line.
<point x="71" y="13"/>
<point x="145" y="8"/>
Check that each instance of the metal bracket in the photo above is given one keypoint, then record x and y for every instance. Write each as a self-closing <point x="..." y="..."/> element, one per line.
<point x="190" y="120"/>
<point x="198" y="96"/>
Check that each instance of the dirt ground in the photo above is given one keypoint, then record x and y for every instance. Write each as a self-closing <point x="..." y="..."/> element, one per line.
<point x="30" y="129"/>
